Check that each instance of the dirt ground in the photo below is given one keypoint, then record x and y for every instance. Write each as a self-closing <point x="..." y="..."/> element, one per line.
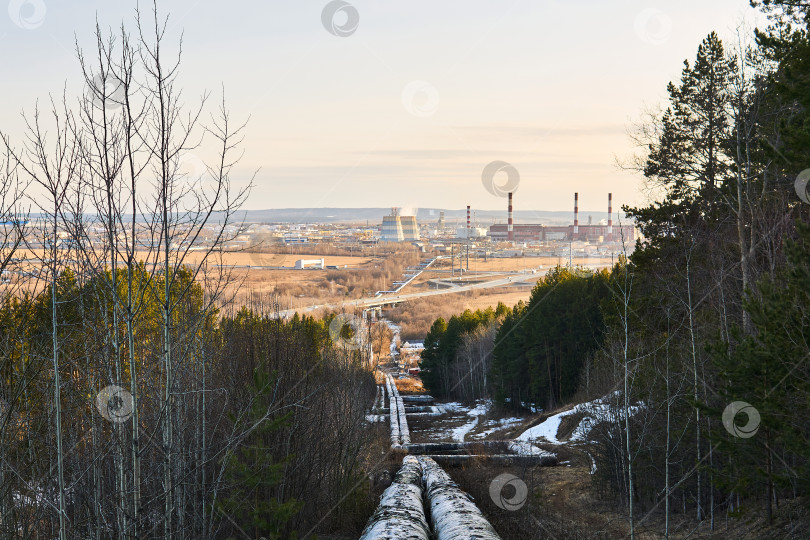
<point x="558" y="504"/>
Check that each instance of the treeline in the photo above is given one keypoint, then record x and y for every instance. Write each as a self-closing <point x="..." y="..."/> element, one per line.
<point x="699" y="342"/>
<point x="269" y="419"/>
<point x="309" y="468"/>
<point x="458" y="354"/>
<point x="725" y="244"/>
<point x="529" y="356"/>
<point x="542" y="346"/>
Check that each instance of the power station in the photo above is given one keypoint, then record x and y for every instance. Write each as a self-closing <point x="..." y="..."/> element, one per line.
<point x="471" y="231"/>
<point x="535" y="233"/>
<point x="397" y="228"/>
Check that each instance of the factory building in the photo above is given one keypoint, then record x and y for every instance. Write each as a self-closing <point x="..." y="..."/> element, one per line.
<point x="544" y="233"/>
<point x="469" y="231"/>
<point x="396" y="228"/>
<point x="535" y="233"/>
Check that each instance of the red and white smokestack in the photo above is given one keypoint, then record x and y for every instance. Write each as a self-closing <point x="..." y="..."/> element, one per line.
<point x="468" y="221"/>
<point x="610" y="213"/>
<point x="510" y="235"/>
<point x="576" y="213"/>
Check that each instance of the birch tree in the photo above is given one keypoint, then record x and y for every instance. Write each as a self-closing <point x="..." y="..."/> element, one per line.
<point x="53" y="166"/>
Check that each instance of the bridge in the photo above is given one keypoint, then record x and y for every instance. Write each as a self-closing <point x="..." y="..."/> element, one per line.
<point x="391" y="299"/>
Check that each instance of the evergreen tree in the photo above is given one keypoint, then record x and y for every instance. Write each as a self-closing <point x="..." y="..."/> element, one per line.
<point x="770" y="371"/>
<point x="542" y="347"/>
<point x="253" y="473"/>
<point x="431" y="357"/>
<point x="689" y="159"/>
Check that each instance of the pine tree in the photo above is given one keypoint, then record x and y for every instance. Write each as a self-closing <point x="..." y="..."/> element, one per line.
<point x="688" y="160"/>
<point x="254" y="473"/>
<point x="770" y="371"/>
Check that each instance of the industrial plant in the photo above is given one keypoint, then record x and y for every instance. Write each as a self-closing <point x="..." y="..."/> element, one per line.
<point x="504" y="237"/>
<point x="397" y="228"/>
<point x="539" y="233"/>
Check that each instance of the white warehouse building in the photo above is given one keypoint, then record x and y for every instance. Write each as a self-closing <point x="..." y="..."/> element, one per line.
<point x="300" y="264"/>
<point x="475" y="232"/>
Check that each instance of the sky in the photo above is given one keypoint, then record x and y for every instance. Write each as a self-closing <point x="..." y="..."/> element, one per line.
<point x="403" y="103"/>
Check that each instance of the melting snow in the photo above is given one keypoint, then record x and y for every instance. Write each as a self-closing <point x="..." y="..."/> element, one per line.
<point x="523" y="448"/>
<point x="481" y="408"/>
<point x="595" y="411"/>
<point x="495" y="425"/>
<point x="461" y="412"/>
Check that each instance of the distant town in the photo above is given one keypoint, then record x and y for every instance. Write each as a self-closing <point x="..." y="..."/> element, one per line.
<point x="576" y="240"/>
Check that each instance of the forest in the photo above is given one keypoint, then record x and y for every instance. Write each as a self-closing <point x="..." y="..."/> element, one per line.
<point x="136" y="399"/>
<point x="699" y="338"/>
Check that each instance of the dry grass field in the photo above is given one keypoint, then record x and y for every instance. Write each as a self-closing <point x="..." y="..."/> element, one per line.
<point x="282" y="259"/>
<point x="295" y="288"/>
<point x="251" y="281"/>
<point x="505" y="264"/>
<point x="248" y="275"/>
<point x="415" y="317"/>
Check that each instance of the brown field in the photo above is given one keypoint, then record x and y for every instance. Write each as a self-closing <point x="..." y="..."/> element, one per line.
<point x="491" y="299"/>
<point x="362" y="277"/>
<point x="236" y="258"/>
<point x="282" y="259"/>
<point x="502" y="264"/>
<point x="296" y="288"/>
<point x="541" y="264"/>
<point x="415" y="317"/>
<point x="359" y="276"/>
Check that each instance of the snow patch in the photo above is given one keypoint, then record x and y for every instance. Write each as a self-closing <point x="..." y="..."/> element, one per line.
<point x="460" y="432"/>
<point x="523" y="448"/>
<point x="452" y="406"/>
<point x="593" y="463"/>
<point x="481" y="408"/>
<point x="496" y="425"/>
<point x="595" y="411"/>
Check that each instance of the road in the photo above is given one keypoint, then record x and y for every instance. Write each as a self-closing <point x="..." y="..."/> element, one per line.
<point x="387" y="300"/>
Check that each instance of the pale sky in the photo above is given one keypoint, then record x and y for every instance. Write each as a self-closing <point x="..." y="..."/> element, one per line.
<point x="410" y="106"/>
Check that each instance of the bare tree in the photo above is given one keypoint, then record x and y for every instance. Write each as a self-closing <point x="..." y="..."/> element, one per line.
<point x="53" y="166"/>
<point x="13" y="225"/>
